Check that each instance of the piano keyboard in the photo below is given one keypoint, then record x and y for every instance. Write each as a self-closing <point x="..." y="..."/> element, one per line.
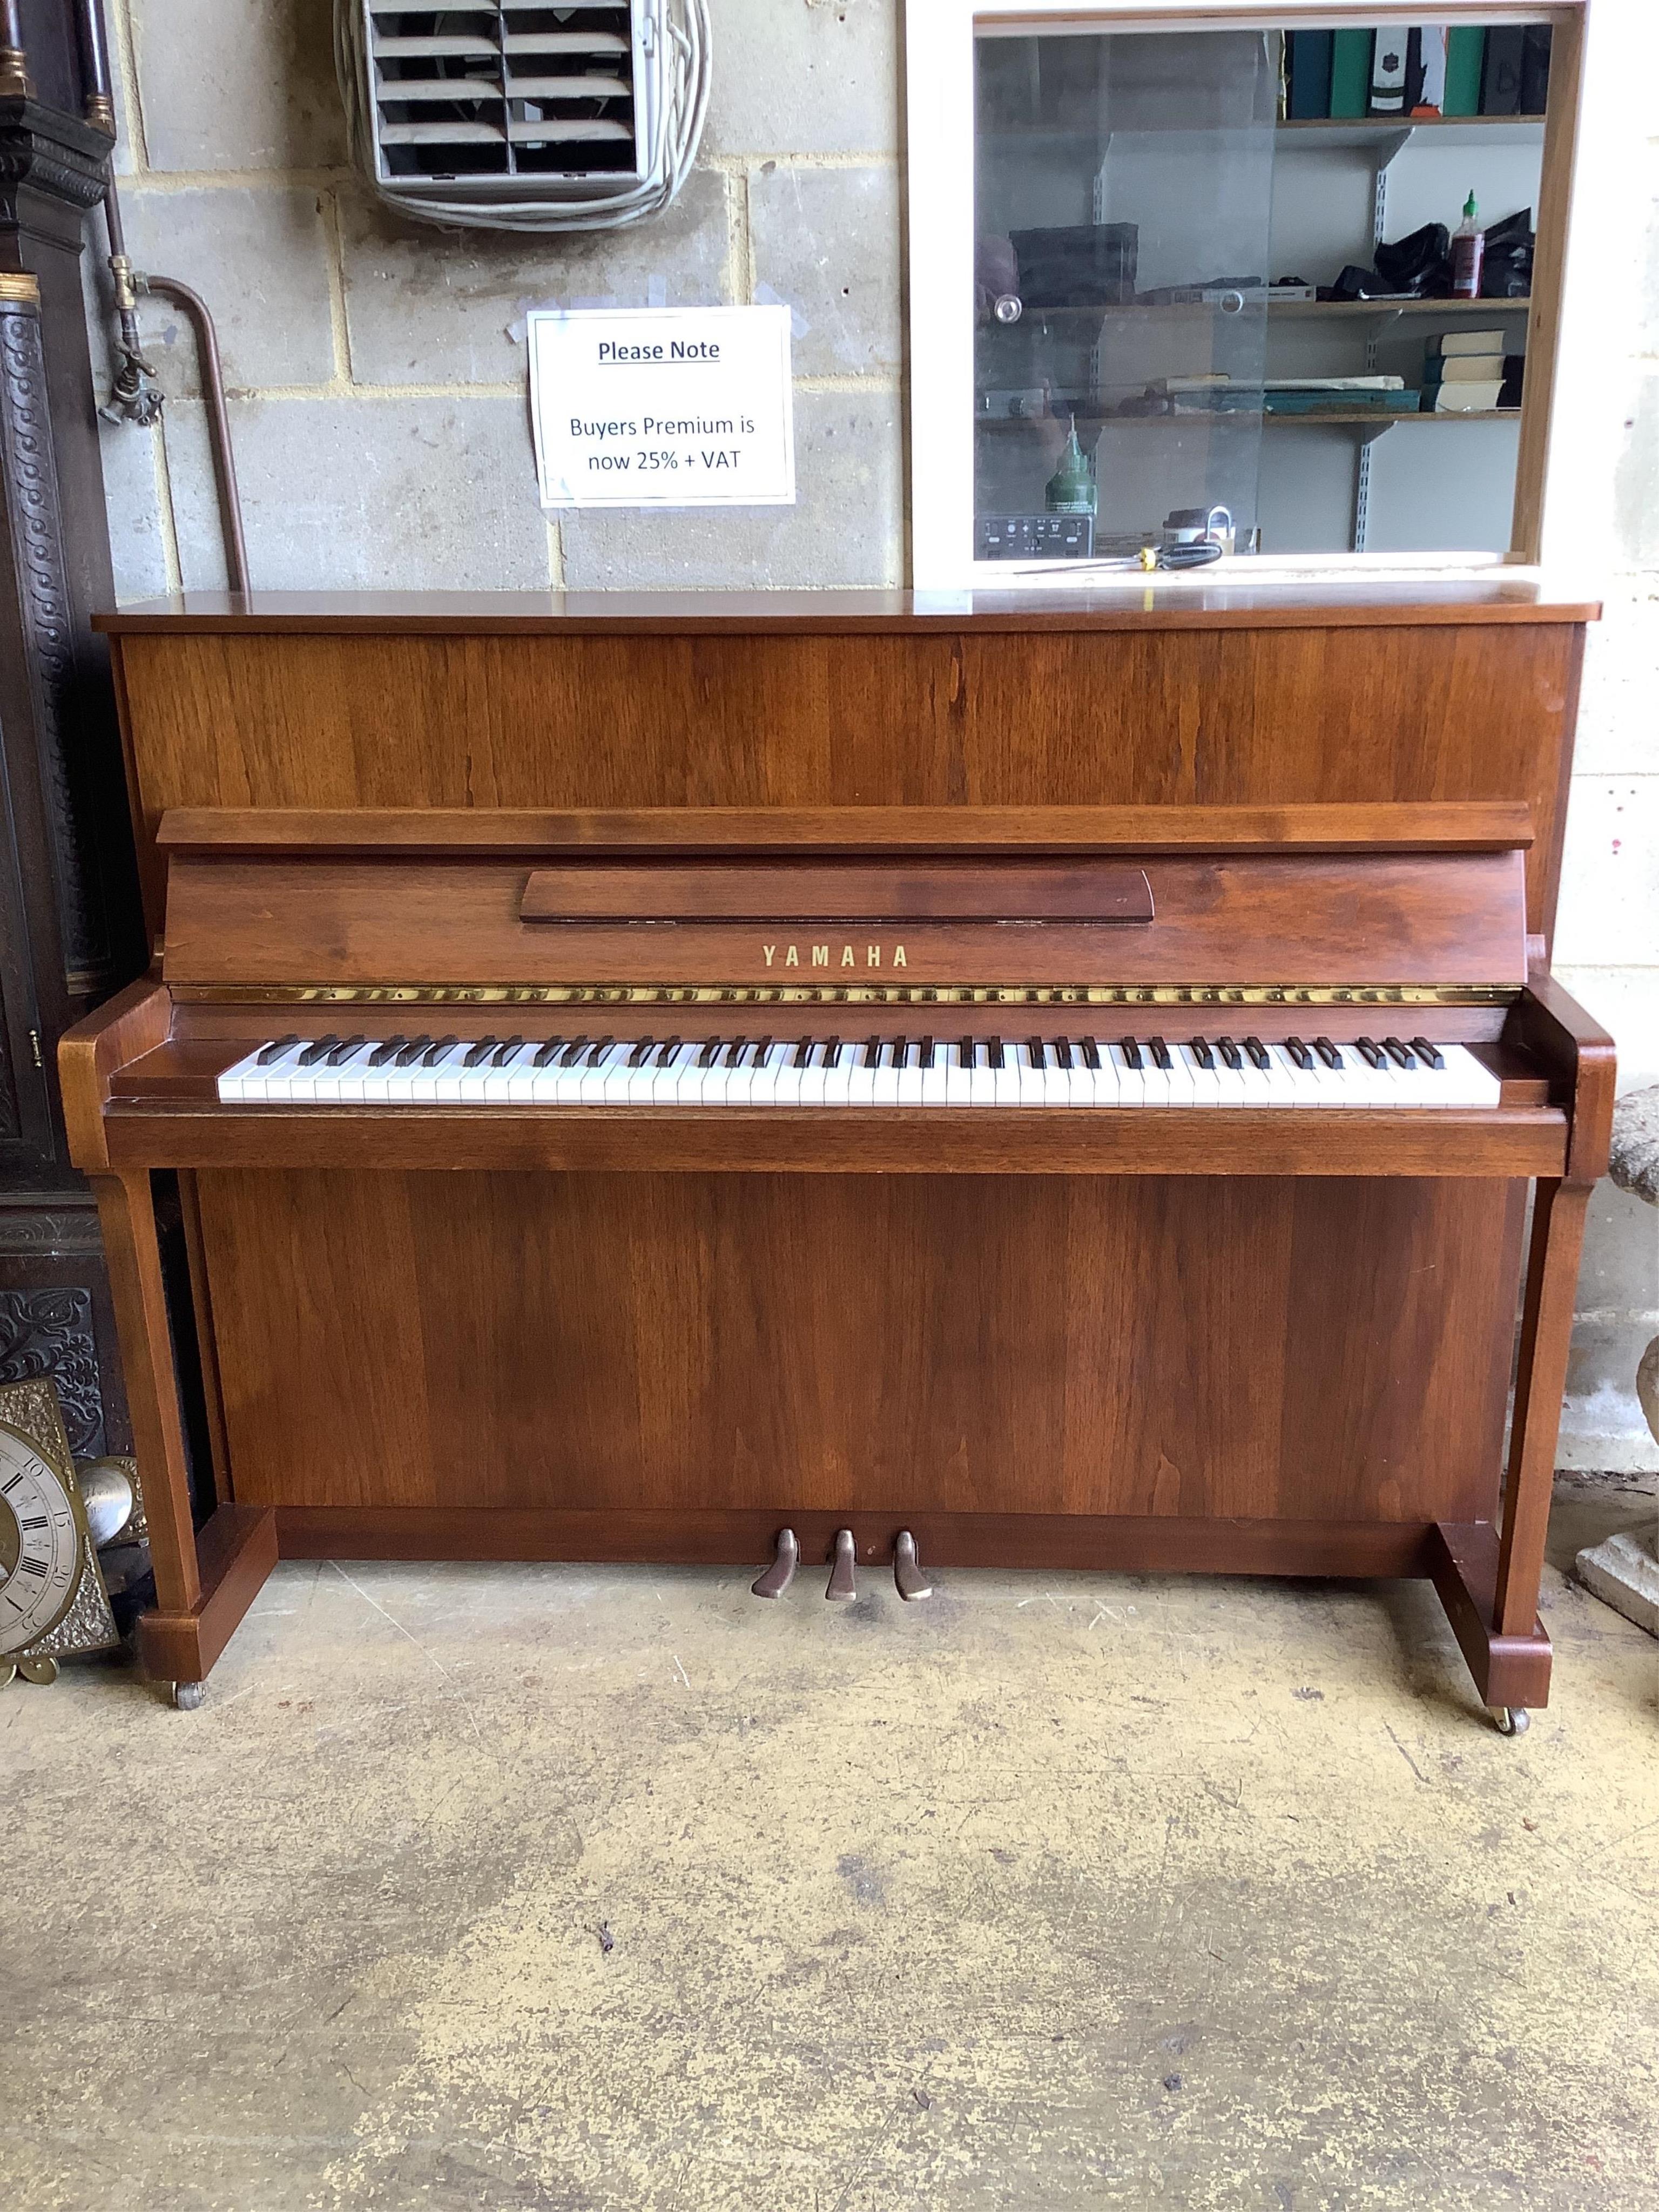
<point x="878" y="1072"/>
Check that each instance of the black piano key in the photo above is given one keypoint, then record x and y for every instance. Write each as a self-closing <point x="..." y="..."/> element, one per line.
<point x="573" y="1053"/>
<point x="435" y="1051"/>
<point x="832" y="1052"/>
<point x="1327" y="1052"/>
<point x="1160" y="1052"/>
<point x="735" y="1051"/>
<point x="925" y="1052"/>
<point x="1090" y="1052"/>
<point x="994" y="1052"/>
<point x="665" y="1058"/>
<point x="414" y="1049"/>
<point x="318" y="1050"/>
<point x="900" y="1055"/>
<point x="872" y="1052"/>
<point x="1063" y="1054"/>
<point x="546" y="1053"/>
<point x="1430" y="1055"/>
<point x="711" y="1052"/>
<point x="762" y="1052"/>
<point x="389" y="1050"/>
<point x="1202" y="1054"/>
<point x="1298" y="1052"/>
<point x="597" y="1057"/>
<point x="1131" y="1050"/>
<point x="803" y="1054"/>
<point x="1231" y="1055"/>
<point x="505" y="1051"/>
<point x="1400" y="1054"/>
<point x="344" y="1049"/>
<point x="1371" y="1052"/>
<point x="1034" y="1051"/>
<point x="477" y="1054"/>
<point x="965" y="1052"/>
<point x="1258" y="1052"/>
<point x="637" y="1058"/>
<point x="276" y="1048"/>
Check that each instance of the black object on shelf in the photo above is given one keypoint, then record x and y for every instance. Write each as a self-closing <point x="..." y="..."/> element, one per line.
<point x="1501" y="79"/>
<point x="1506" y="272"/>
<point x="1535" y="68"/>
<point x="1083" y="265"/>
<point x="1034" y="536"/>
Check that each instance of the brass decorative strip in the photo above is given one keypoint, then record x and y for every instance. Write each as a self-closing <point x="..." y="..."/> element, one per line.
<point x="853" y="995"/>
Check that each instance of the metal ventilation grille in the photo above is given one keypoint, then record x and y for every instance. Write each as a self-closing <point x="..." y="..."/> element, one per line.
<point x="482" y="94"/>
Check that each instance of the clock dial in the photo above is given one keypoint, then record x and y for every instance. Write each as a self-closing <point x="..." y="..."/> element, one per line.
<point x="39" y="1545"/>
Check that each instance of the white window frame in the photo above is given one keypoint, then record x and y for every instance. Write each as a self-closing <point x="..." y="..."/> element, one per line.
<point x="1582" y="293"/>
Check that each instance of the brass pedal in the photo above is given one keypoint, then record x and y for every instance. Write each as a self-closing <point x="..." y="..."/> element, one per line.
<point x="785" y="1558"/>
<point x="842" y="1584"/>
<point x="912" y="1585"/>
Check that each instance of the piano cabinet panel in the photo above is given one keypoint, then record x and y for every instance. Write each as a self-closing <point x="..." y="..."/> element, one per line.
<point x="1334" y="710"/>
<point x="1308" y="1349"/>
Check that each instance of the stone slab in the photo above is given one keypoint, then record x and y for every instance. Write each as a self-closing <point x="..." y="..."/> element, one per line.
<point x="1635" y="1162"/>
<point x="372" y="494"/>
<point x="1617" y="733"/>
<point x="1635" y="480"/>
<point x="1603" y="1428"/>
<point x="137" y="555"/>
<point x="827" y="241"/>
<point x="1624" y="1573"/>
<point x="846" y="528"/>
<point x="430" y="306"/>
<point x="1610" y="872"/>
<point x="259" y="256"/>
<point x="238" y="84"/>
<point x="804" y="77"/>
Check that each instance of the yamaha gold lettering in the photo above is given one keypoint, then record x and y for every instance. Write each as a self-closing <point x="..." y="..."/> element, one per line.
<point x="820" y="956"/>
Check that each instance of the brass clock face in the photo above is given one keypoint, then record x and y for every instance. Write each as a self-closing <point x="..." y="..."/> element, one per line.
<point x="39" y="1544"/>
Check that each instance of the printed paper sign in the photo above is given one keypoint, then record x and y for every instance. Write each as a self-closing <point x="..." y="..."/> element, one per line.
<point x="662" y="406"/>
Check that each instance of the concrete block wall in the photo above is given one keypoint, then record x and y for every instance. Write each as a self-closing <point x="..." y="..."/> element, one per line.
<point x="382" y="436"/>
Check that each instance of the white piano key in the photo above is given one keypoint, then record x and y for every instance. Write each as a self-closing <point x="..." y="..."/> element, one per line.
<point x="809" y="1092"/>
<point x="1005" y="1078"/>
<point x="884" y="1089"/>
<point x="332" y="1075"/>
<point x="1157" y="1082"/>
<point x="1131" y="1080"/>
<point x="838" y="1076"/>
<point x="958" y="1076"/>
<point x="1205" y="1089"/>
<point x="935" y="1080"/>
<point x="244" y="1079"/>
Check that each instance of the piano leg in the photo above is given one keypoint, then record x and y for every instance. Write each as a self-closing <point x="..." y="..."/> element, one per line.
<point x="203" y="1582"/>
<point x="1489" y="1583"/>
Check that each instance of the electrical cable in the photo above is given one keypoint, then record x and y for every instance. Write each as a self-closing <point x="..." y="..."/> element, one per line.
<point x="667" y="158"/>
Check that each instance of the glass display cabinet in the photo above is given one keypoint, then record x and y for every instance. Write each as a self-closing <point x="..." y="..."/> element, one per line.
<point x="1215" y="303"/>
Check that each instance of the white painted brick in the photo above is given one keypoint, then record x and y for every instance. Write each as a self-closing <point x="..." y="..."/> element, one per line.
<point x="414" y="494"/>
<point x="1626" y="1001"/>
<point x="1609" y="909"/>
<point x="258" y="255"/>
<point x="128" y="455"/>
<point x="1620" y="1271"/>
<point x="844" y="529"/>
<point x="1602" y="1425"/>
<point x="431" y="306"/>
<point x="1635" y="480"/>
<point x="238" y="84"/>
<point x="827" y="241"/>
<point x="1618" y="726"/>
<point x="804" y="77"/>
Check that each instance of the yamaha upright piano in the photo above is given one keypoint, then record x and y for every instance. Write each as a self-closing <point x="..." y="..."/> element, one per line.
<point x="819" y="1080"/>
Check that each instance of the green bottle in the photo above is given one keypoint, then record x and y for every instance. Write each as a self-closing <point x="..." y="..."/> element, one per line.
<point x="1072" y="488"/>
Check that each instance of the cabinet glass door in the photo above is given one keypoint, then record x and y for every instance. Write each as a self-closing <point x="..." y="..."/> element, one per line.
<point x="1123" y="186"/>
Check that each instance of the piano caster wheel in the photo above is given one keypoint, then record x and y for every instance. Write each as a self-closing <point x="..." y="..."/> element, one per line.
<point x="1512" y="1720"/>
<point x="842" y="1584"/>
<point x="188" y="1696"/>
<point x="785" y="1558"/>
<point x="912" y="1585"/>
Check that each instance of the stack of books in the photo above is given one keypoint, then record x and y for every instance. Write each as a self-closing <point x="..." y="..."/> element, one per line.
<point x="1469" y="373"/>
<point x="1433" y="70"/>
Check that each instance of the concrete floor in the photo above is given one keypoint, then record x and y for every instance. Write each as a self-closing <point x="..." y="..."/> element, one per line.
<point x="487" y="1887"/>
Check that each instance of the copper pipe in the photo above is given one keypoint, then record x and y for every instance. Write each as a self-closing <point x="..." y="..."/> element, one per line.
<point x="213" y="397"/>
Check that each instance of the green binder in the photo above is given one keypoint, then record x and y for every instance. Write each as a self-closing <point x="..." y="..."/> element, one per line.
<point x="1466" y="55"/>
<point x="1350" y="73"/>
